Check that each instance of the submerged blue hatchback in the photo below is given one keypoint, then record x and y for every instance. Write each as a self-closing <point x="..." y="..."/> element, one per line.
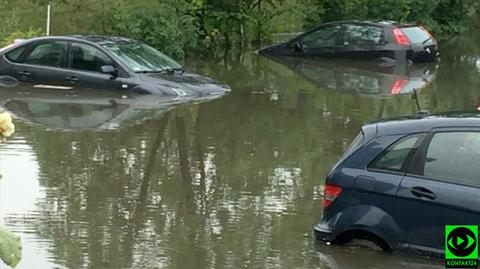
<point x="402" y="181"/>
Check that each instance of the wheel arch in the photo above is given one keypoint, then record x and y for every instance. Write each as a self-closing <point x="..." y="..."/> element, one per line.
<point x="368" y="221"/>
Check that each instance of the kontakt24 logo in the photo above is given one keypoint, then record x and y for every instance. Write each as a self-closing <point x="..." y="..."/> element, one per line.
<point x="461" y="246"/>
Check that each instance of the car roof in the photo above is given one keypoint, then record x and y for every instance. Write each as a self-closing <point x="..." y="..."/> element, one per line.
<point x="103" y="39"/>
<point x="97" y="39"/>
<point x="418" y="123"/>
<point x="375" y="23"/>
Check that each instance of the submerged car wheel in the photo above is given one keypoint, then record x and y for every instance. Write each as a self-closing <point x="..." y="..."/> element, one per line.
<point x="365" y="239"/>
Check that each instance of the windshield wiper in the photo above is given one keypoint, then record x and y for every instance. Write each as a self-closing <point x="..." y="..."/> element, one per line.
<point x="149" y="71"/>
<point x="173" y="70"/>
<point x="166" y="70"/>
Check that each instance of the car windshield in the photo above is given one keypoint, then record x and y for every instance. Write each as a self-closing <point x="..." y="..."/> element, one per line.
<point x="140" y="57"/>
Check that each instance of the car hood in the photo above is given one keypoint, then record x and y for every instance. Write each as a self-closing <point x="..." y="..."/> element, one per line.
<point x="275" y="50"/>
<point x="184" y="84"/>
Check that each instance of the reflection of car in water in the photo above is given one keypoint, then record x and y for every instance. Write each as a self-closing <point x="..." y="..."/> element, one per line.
<point x="85" y="109"/>
<point x="360" y="76"/>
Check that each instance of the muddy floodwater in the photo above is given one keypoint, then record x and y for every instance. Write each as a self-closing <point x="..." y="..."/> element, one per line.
<point x="233" y="182"/>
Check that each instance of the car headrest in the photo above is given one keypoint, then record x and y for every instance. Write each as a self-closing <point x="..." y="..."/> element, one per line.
<point x="77" y="52"/>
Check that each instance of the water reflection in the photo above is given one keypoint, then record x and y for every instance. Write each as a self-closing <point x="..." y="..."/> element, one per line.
<point x="358" y="256"/>
<point x="81" y="109"/>
<point x="234" y="182"/>
<point x="362" y="77"/>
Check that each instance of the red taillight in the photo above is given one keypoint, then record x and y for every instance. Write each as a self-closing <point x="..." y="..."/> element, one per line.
<point x="400" y="37"/>
<point x="330" y="193"/>
<point x="398" y="85"/>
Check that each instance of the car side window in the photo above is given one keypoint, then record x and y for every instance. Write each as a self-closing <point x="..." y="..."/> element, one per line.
<point x="14" y="55"/>
<point x="394" y="157"/>
<point x="454" y="157"/>
<point x="323" y="37"/>
<point x="362" y="35"/>
<point x="47" y="53"/>
<point x="87" y="58"/>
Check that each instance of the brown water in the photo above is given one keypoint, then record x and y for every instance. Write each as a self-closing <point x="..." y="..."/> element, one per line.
<point x="235" y="182"/>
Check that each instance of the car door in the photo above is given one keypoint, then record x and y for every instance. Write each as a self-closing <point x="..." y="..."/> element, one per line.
<point x="85" y="62"/>
<point x="360" y="41"/>
<point x="321" y="42"/>
<point x="441" y="188"/>
<point x="42" y="63"/>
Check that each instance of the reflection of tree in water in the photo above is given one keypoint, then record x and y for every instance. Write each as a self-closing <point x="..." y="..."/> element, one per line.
<point x="228" y="183"/>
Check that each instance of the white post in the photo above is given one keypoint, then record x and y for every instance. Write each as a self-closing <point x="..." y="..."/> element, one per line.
<point x="48" y="20"/>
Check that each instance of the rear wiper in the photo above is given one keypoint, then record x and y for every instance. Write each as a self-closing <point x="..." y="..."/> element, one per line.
<point x="426" y="40"/>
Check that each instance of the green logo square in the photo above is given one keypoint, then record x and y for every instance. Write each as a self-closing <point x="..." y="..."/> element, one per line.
<point x="461" y="246"/>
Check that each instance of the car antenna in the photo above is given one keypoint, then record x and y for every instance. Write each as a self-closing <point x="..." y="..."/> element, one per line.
<point x="420" y="112"/>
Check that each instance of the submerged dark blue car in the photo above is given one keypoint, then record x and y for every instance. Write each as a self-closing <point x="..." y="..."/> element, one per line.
<point x="401" y="181"/>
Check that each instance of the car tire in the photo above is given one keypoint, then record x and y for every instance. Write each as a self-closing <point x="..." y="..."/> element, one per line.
<point x="363" y="239"/>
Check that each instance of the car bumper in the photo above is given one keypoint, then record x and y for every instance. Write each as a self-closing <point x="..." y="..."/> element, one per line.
<point x="323" y="232"/>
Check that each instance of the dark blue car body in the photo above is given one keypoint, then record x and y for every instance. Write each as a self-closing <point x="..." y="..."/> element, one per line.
<point x="406" y="207"/>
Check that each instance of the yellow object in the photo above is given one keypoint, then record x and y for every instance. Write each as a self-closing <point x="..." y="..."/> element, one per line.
<point x="7" y="128"/>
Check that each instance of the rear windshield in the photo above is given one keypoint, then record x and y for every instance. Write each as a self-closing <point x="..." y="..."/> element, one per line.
<point x="417" y="34"/>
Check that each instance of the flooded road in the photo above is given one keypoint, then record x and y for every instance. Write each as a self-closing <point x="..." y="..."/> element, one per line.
<point x="235" y="182"/>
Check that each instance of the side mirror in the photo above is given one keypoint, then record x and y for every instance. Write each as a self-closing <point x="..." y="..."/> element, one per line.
<point x="109" y="69"/>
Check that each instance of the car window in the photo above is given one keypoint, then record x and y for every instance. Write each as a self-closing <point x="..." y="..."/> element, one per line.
<point x="47" y="53"/>
<point x="362" y="35"/>
<point x="416" y="34"/>
<point x="88" y="58"/>
<point x="394" y="157"/>
<point x="323" y="37"/>
<point x="140" y="57"/>
<point x="454" y="156"/>
<point x="15" y="54"/>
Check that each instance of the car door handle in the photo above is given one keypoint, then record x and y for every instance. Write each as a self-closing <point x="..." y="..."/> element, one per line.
<point x="72" y="79"/>
<point x="24" y="73"/>
<point x="422" y="192"/>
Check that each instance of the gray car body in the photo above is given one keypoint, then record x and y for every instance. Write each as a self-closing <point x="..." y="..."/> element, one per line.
<point x="184" y="83"/>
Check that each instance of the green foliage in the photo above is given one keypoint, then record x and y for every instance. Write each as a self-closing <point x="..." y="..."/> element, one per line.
<point x="441" y="16"/>
<point x="210" y="27"/>
<point x="177" y="27"/>
<point x="18" y="34"/>
<point x="10" y="248"/>
<point x="169" y="29"/>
